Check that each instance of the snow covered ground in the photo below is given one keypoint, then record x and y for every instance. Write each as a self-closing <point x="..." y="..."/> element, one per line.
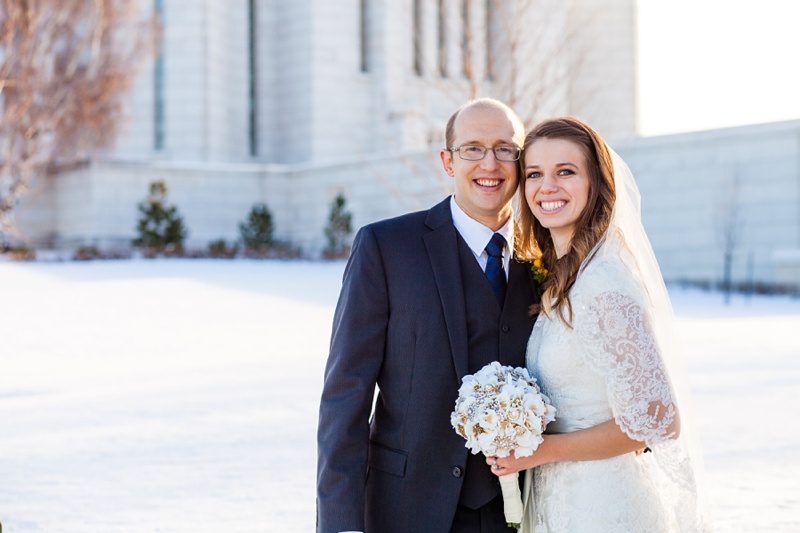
<point x="181" y="396"/>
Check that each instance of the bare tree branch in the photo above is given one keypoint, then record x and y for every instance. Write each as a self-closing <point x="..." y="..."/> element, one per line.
<point x="730" y="223"/>
<point x="65" y="69"/>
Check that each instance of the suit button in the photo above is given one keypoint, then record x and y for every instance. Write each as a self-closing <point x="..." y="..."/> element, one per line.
<point x="456" y="471"/>
<point x="505" y="328"/>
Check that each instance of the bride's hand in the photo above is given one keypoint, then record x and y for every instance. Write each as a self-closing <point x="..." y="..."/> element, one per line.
<point x="502" y="466"/>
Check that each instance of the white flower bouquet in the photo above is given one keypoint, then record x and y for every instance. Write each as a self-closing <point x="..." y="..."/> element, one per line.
<point x="500" y="409"/>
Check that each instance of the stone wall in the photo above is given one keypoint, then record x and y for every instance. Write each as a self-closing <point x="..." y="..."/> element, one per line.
<point x="696" y="186"/>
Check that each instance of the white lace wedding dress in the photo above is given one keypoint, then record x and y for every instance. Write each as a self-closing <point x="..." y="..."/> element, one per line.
<point x="608" y="366"/>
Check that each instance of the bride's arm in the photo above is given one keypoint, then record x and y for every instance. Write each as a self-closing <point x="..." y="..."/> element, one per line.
<point x="598" y="442"/>
<point x="618" y="343"/>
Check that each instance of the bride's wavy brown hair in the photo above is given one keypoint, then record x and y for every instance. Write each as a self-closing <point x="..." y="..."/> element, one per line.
<point x="535" y="242"/>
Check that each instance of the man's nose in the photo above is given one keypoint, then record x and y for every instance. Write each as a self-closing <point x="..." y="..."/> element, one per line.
<point x="489" y="160"/>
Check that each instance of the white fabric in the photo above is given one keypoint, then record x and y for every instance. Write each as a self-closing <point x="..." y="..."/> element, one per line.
<point x="477" y="236"/>
<point x="617" y="362"/>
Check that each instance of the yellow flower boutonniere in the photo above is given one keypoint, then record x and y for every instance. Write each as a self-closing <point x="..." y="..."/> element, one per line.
<point x="539" y="271"/>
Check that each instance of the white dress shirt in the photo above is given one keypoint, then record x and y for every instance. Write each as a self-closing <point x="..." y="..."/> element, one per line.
<point x="477" y="236"/>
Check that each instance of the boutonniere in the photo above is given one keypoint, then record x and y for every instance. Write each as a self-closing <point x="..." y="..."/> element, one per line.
<point x="539" y="271"/>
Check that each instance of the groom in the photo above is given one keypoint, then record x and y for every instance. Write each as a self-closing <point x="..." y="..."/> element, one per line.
<point x="427" y="298"/>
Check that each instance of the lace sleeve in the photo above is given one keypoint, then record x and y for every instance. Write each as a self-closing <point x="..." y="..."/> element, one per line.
<point x="615" y="337"/>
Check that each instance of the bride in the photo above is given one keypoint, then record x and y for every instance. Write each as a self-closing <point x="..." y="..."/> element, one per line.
<point x="601" y="350"/>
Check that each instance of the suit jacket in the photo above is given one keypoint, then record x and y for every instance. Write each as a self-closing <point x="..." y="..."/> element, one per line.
<point x="400" y="323"/>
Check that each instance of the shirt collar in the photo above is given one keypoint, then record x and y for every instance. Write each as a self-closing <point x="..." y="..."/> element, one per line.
<point x="475" y="234"/>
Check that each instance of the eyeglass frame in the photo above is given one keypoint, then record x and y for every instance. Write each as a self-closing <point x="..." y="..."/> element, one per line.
<point x="485" y="151"/>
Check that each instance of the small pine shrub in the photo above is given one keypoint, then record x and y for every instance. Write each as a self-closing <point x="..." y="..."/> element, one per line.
<point x="256" y="232"/>
<point x="160" y="228"/>
<point x="220" y="248"/>
<point x="338" y="230"/>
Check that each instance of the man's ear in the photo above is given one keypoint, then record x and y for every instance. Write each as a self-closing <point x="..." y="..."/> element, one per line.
<point x="447" y="161"/>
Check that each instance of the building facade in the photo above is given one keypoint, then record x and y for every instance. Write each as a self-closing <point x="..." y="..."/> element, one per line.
<point x="729" y="191"/>
<point x="291" y="103"/>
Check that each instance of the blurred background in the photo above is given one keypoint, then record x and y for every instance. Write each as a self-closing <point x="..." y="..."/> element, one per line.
<point x="291" y="105"/>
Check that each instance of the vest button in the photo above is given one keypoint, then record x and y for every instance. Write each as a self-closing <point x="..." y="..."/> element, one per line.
<point x="456" y="471"/>
<point x="505" y="328"/>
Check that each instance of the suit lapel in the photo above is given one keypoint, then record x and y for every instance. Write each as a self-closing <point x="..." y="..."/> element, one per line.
<point x="442" y="248"/>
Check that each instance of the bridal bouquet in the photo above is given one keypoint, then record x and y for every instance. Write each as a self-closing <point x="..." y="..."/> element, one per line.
<point x="500" y="409"/>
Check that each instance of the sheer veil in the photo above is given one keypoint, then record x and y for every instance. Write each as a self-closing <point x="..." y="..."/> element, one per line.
<point x="678" y="461"/>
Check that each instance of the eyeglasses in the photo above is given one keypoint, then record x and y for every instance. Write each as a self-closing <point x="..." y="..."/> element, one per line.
<point x="474" y="152"/>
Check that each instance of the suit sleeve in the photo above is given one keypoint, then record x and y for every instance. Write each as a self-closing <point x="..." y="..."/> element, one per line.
<point x="356" y="354"/>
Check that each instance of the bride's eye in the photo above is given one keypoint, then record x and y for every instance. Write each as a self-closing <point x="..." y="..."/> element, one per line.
<point x="565" y="172"/>
<point x="534" y="175"/>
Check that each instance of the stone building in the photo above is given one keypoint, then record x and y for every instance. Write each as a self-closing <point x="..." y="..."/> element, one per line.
<point x="734" y="190"/>
<point x="290" y="103"/>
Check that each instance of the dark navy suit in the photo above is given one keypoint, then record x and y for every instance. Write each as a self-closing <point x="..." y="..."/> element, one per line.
<point x="415" y="315"/>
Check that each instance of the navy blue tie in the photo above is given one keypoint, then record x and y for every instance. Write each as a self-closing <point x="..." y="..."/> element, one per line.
<point x="494" y="267"/>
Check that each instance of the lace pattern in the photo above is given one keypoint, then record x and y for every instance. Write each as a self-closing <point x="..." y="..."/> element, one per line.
<point x="620" y="497"/>
<point x="608" y="365"/>
<point x="616" y="339"/>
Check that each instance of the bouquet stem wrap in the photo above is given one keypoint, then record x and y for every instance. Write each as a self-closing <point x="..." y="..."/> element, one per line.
<point x="500" y="409"/>
<point x="512" y="499"/>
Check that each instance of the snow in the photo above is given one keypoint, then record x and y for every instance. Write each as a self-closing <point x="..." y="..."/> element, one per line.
<point x="182" y="396"/>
